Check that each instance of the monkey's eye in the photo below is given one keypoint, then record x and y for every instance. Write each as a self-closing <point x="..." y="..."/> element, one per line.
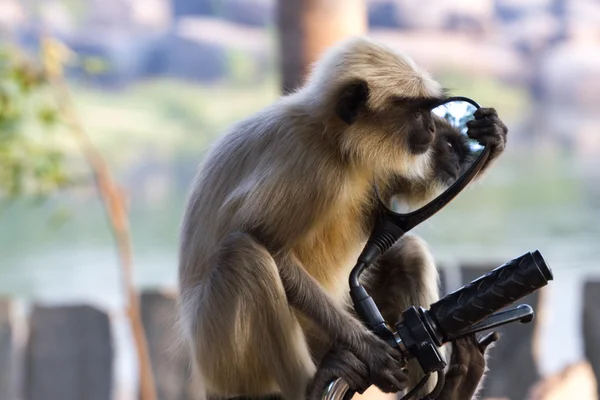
<point x="417" y="115"/>
<point x="449" y="146"/>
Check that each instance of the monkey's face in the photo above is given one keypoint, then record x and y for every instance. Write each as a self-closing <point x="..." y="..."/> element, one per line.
<point x="396" y="137"/>
<point x="451" y="154"/>
<point x="450" y="157"/>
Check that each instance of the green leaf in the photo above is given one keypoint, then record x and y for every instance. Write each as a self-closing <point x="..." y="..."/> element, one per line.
<point x="48" y="116"/>
<point x="95" y="65"/>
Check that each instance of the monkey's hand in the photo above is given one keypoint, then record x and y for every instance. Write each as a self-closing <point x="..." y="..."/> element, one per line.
<point x="466" y="369"/>
<point x="385" y="363"/>
<point x="340" y="362"/>
<point x="488" y="130"/>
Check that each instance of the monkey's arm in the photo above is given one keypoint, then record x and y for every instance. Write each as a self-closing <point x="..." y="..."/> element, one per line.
<point x="385" y="364"/>
<point x="404" y="276"/>
<point x="488" y="129"/>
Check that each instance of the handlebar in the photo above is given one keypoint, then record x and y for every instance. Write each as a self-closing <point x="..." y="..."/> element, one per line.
<point x="495" y="290"/>
<point x="465" y="311"/>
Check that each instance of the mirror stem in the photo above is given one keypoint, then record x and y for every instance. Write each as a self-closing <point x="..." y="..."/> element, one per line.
<point x="385" y="234"/>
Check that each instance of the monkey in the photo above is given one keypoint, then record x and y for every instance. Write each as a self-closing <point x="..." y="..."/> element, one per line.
<point x="467" y="368"/>
<point x="280" y="209"/>
<point x="406" y="274"/>
<point x="461" y="380"/>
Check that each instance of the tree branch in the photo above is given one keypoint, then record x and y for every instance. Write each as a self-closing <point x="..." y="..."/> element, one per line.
<point x="114" y="202"/>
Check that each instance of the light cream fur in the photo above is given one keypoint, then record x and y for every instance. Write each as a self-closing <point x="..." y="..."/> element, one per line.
<point x="291" y="182"/>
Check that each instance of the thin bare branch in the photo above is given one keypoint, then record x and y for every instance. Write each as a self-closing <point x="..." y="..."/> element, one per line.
<point x="114" y="201"/>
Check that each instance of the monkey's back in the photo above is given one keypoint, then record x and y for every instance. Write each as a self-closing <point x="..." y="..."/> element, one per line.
<point x="224" y="170"/>
<point x="274" y="176"/>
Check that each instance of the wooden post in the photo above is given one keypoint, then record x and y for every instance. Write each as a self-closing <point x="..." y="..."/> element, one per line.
<point x="307" y="27"/>
<point x="69" y="354"/>
<point x="591" y="327"/>
<point x="6" y="352"/>
<point x="169" y="363"/>
<point x="512" y="366"/>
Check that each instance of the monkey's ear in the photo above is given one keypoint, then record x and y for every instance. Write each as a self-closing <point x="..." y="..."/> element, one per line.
<point x="352" y="99"/>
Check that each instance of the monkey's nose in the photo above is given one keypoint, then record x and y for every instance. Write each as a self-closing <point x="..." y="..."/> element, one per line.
<point x="432" y="129"/>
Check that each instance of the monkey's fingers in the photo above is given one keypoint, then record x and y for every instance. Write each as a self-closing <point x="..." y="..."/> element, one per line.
<point x="353" y="371"/>
<point x="341" y="362"/>
<point x="397" y="355"/>
<point x="480" y="123"/>
<point x="390" y="376"/>
<point x="485" y="112"/>
<point x="319" y="384"/>
<point x="487" y="340"/>
<point x="492" y="120"/>
<point x="325" y="376"/>
<point x="356" y="382"/>
<point x="390" y="382"/>
<point x="490" y="135"/>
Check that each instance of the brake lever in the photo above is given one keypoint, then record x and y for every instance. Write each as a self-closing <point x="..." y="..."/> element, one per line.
<point x="522" y="313"/>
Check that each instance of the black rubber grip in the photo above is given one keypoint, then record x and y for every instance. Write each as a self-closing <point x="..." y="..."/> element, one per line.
<point x="490" y="293"/>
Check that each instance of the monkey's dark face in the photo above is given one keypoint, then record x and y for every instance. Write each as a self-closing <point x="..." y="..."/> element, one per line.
<point x="451" y="153"/>
<point x="419" y="128"/>
<point x="398" y="132"/>
<point x="450" y="157"/>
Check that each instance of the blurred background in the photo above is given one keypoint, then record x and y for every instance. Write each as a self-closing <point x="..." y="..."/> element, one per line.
<point x="152" y="83"/>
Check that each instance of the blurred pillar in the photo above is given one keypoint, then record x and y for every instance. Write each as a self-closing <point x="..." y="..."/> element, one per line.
<point x="170" y="363"/>
<point x="307" y="27"/>
<point x="69" y="354"/>
<point x="591" y="327"/>
<point x="6" y="351"/>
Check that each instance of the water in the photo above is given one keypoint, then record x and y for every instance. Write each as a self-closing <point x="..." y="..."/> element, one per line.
<point x="548" y="203"/>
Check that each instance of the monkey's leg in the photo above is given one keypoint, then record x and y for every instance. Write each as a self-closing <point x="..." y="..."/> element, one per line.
<point x="405" y="276"/>
<point x="466" y="367"/>
<point x="246" y="338"/>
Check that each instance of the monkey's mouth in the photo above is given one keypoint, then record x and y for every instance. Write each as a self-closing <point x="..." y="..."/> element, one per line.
<point x="447" y="174"/>
<point x="420" y="143"/>
<point x="418" y="149"/>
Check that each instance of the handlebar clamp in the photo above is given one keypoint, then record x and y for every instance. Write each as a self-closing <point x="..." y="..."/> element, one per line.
<point x="418" y="340"/>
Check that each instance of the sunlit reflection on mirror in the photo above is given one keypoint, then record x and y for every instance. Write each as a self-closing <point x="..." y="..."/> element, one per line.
<point x="458" y="113"/>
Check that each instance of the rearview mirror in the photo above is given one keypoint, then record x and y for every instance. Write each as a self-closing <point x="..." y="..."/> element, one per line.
<point x="391" y="224"/>
<point x="456" y="111"/>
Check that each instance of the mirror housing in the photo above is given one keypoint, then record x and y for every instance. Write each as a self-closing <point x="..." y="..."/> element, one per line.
<point x="391" y="226"/>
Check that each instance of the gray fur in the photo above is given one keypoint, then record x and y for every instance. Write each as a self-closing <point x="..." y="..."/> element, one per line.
<point x="276" y="217"/>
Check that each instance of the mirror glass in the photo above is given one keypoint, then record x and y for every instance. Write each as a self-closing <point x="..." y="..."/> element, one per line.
<point x="456" y="112"/>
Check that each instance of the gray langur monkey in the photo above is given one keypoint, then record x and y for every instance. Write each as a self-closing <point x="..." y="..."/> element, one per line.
<point x="282" y="207"/>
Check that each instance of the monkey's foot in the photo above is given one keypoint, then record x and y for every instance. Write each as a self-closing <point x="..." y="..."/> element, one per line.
<point x="467" y="368"/>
